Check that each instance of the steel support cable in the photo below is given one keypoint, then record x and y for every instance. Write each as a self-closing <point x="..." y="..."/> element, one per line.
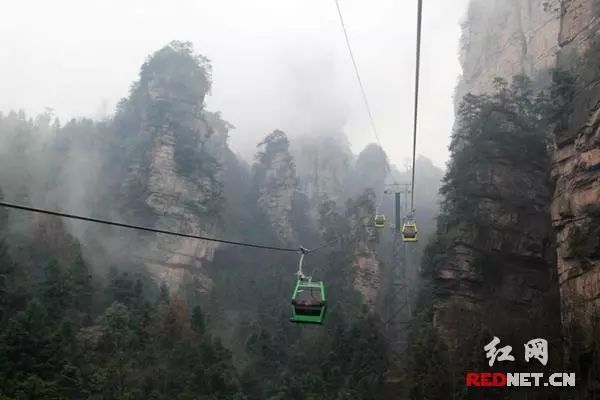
<point x="162" y="231"/>
<point x="330" y="243"/>
<point x="416" y="110"/>
<point x="362" y="89"/>
<point x="140" y="228"/>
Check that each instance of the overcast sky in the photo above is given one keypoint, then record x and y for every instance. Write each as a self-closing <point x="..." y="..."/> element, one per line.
<point x="277" y="64"/>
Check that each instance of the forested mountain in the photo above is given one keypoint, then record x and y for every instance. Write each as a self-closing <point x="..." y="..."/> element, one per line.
<point x="516" y="251"/>
<point x="509" y="237"/>
<point x="98" y="312"/>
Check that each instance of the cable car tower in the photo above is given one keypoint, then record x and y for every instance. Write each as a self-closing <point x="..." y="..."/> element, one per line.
<point x="398" y="310"/>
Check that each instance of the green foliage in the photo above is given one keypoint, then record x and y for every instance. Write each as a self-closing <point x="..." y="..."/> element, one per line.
<point x="6" y="264"/>
<point x="346" y="358"/>
<point x="299" y="218"/>
<point x="436" y="253"/>
<point x="360" y="211"/>
<point x="583" y="343"/>
<point x="35" y="388"/>
<point x="168" y="102"/>
<point x="65" y="333"/>
<point x="584" y="240"/>
<point x="81" y="285"/>
<point x="354" y="363"/>
<point x="197" y="321"/>
<point x="428" y="373"/>
<point x="562" y="94"/>
<point x="273" y="143"/>
<point x="331" y="224"/>
<point x="77" y="338"/>
<point x="193" y="160"/>
<point x="499" y="166"/>
<point x="507" y="128"/>
<point x="591" y="61"/>
<point x="573" y="84"/>
<point x="178" y="65"/>
<point x="370" y="171"/>
<point x="432" y="370"/>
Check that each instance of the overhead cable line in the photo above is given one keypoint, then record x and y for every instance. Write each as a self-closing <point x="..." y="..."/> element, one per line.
<point x="332" y="242"/>
<point x="362" y="89"/>
<point x="300" y="249"/>
<point x="142" y="228"/>
<point x="417" y="68"/>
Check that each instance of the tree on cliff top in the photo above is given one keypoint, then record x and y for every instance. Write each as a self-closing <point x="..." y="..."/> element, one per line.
<point x="505" y="128"/>
<point x="274" y="144"/>
<point x="177" y="66"/>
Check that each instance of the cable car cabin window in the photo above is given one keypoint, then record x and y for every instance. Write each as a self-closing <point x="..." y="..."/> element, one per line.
<point x="309" y="311"/>
<point x="409" y="231"/>
<point x="308" y="296"/>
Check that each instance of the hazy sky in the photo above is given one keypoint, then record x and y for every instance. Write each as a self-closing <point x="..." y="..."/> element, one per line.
<point x="277" y="64"/>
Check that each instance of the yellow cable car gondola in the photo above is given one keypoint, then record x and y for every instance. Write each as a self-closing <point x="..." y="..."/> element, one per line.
<point x="410" y="232"/>
<point x="379" y="221"/>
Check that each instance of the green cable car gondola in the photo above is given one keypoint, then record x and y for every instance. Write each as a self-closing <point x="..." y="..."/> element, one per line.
<point x="308" y="300"/>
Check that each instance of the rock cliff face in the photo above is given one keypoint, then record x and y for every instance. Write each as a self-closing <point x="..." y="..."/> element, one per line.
<point x="276" y="182"/>
<point x="576" y="170"/>
<point x="366" y="266"/>
<point x="323" y="165"/>
<point x="508" y="268"/>
<point x="503" y="39"/>
<point x="178" y="203"/>
<point x="494" y="266"/>
<point x="170" y="151"/>
<point x="369" y="172"/>
<point x="507" y="38"/>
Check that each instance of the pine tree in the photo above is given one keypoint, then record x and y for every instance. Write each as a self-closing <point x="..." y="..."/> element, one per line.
<point x="81" y="284"/>
<point x="197" y="320"/>
<point x="56" y="290"/>
<point x="164" y="293"/>
<point x="6" y="265"/>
